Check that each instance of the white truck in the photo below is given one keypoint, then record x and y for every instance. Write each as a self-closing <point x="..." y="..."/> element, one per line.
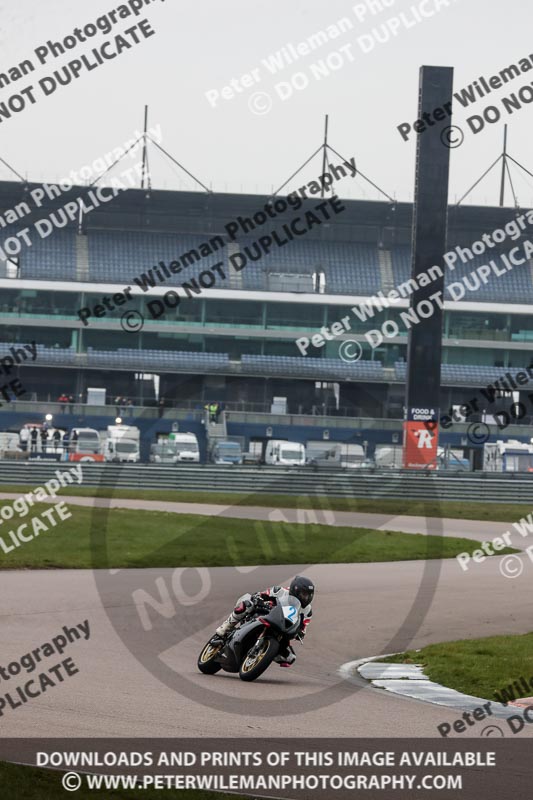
<point x="352" y="456"/>
<point x="389" y="456"/>
<point x="178" y="448"/>
<point x="121" y="443"/>
<point x="283" y="453"/>
<point x="323" y="453"/>
<point x="343" y="455"/>
<point x="508" y="456"/>
<point x="83" y="445"/>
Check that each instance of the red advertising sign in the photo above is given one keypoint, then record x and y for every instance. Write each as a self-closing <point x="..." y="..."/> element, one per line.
<point x="419" y="445"/>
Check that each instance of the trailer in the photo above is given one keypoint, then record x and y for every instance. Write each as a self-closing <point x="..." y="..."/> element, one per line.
<point x="345" y="455"/>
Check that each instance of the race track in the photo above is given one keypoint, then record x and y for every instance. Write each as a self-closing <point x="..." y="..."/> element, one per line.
<point x="471" y="529"/>
<point x="360" y="610"/>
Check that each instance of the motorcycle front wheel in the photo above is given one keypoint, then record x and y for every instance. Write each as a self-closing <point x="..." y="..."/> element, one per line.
<point x="206" y="663"/>
<point x="258" y="659"/>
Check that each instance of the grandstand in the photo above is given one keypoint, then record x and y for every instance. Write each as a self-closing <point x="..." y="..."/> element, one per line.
<point x="236" y="341"/>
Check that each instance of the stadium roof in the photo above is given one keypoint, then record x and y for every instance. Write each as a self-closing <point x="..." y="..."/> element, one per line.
<point x="201" y="212"/>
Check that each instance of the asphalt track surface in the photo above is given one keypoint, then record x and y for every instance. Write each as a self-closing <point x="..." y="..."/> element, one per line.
<point x="408" y="524"/>
<point x="359" y="610"/>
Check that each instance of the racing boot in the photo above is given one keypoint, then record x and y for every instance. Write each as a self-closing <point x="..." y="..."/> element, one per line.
<point x="238" y="613"/>
<point x="286" y="658"/>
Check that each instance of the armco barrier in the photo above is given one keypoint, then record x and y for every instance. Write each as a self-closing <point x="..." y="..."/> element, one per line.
<point x="477" y="487"/>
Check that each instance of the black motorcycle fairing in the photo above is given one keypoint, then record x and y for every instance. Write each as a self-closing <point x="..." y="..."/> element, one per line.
<point x="239" y="644"/>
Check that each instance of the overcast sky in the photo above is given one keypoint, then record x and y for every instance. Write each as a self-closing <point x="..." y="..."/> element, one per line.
<point x="200" y="45"/>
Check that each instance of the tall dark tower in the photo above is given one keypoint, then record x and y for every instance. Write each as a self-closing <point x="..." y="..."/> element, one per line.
<point x="429" y="245"/>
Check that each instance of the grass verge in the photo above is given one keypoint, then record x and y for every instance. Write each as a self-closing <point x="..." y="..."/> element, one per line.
<point x="28" y="783"/>
<point x="479" y="667"/>
<point x="495" y="512"/>
<point x="120" y="538"/>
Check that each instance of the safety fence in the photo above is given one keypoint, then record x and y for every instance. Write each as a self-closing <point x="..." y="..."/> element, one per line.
<point x="251" y="480"/>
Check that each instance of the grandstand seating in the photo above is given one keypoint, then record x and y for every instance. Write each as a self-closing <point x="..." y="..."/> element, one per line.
<point x="349" y="267"/>
<point x="336" y="259"/>
<point x="464" y="374"/>
<point x="170" y="360"/>
<point x="312" y="367"/>
<point x="157" y="359"/>
<point x="64" y="356"/>
<point x="282" y="366"/>
<point x="122" y="242"/>
<point x="515" y="286"/>
<point x="50" y="259"/>
<point x="121" y="256"/>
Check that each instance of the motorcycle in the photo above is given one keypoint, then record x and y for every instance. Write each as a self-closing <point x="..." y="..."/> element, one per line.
<point x="252" y="646"/>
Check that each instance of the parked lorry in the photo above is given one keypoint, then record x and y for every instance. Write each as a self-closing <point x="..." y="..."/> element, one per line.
<point x="122" y="444"/>
<point x="389" y="456"/>
<point x="283" y="453"/>
<point x="254" y="454"/>
<point x="9" y="443"/>
<point x="83" y="444"/>
<point x="323" y="453"/>
<point x="343" y="455"/>
<point x="178" y="448"/>
<point x="353" y="456"/>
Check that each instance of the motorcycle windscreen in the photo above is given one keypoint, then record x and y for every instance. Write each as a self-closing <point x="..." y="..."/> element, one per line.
<point x="291" y="609"/>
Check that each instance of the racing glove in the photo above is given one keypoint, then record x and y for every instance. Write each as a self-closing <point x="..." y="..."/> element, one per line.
<point x="300" y="635"/>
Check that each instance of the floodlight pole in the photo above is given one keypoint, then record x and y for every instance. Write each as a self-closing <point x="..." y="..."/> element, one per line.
<point x="505" y="158"/>
<point x="143" y="174"/>
<point x="325" y="153"/>
<point x="325" y="146"/>
<point x="13" y="170"/>
<point x="504" y="166"/>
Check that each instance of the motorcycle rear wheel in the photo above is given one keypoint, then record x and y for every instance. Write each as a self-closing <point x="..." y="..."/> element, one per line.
<point x="253" y="667"/>
<point x="206" y="664"/>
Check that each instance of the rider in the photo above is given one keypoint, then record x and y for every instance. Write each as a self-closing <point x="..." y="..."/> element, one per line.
<point x="302" y="588"/>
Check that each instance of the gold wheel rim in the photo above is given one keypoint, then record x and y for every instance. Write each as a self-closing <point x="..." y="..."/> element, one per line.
<point x="208" y="652"/>
<point x="249" y="664"/>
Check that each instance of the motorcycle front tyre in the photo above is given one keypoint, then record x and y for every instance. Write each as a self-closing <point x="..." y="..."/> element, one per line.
<point x="252" y="668"/>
